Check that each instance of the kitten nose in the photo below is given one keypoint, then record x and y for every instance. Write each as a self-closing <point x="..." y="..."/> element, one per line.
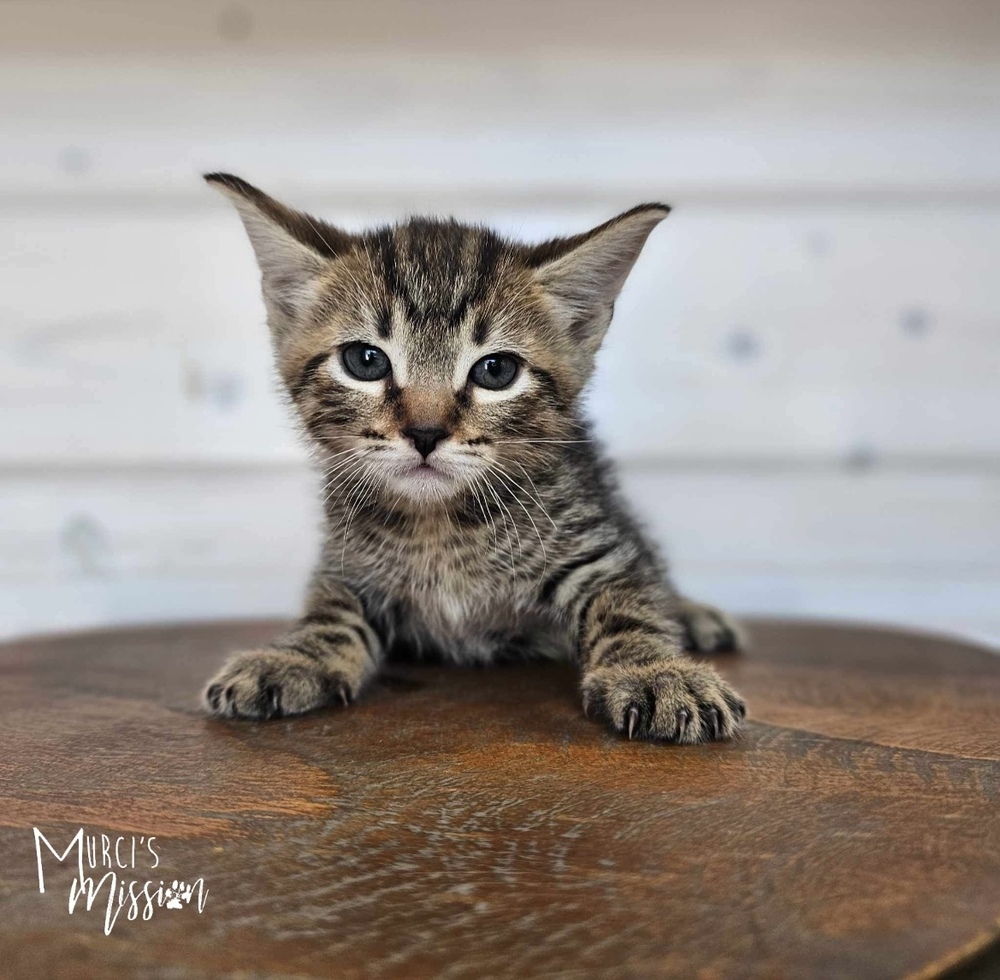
<point x="425" y="439"/>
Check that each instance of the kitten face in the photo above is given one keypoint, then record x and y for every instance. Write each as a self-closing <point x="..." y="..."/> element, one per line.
<point x="430" y="360"/>
<point x="433" y="357"/>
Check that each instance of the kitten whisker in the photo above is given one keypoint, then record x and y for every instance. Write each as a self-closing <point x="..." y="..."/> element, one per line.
<point x="337" y="474"/>
<point x="511" y="484"/>
<point x="347" y="480"/>
<point x="344" y="452"/>
<point x="537" y="496"/>
<point x="331" y="473"/>
<point x="508" y="519"/>
<point x="363" y="487"/>
<point x="479" y="485"/>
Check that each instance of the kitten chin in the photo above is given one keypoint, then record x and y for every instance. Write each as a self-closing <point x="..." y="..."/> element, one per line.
<point x="437" y="367"/>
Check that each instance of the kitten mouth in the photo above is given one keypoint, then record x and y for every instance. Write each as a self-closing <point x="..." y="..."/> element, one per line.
<point x="425" y="471"/>
<point x="424" y="481"/>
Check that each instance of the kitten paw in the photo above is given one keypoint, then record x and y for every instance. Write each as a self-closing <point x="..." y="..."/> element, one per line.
<point x="674" y="700"/>
<point x="273" y="683"/>
<point x="708" y="629"/>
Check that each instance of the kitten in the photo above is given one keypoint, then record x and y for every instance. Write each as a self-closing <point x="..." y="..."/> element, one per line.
<point x="437" y="369"/>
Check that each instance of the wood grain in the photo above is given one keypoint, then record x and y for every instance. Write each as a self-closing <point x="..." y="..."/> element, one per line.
<point x="473" y="823"/>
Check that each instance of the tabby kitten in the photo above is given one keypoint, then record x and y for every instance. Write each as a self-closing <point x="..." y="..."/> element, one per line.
<point x="437" y="369"/>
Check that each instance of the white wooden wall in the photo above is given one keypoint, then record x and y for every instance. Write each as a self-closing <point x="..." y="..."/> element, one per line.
<point x="803" y="378"/>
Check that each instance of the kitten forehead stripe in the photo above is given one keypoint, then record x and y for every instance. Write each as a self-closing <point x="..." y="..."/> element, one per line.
<point x="481" y="329"/>
<point x="308" y="373"/>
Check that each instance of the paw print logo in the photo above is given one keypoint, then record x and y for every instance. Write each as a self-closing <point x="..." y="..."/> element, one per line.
<point x="176" y="893"/>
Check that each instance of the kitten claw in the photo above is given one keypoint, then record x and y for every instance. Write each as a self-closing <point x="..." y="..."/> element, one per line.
<point x="687" y="701"/>
<point x="272" y="683"/>
<point x="272" y="697"/>
<point x="715" y="722"/>
<point x="633" y="720"/>
<point x="683" y="717"/>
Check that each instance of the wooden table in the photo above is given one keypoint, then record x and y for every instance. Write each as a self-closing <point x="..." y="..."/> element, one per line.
<point x="471" y="823"/>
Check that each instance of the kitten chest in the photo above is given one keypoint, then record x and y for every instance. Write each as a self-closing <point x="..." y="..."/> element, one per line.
<point x="449" y="600"/>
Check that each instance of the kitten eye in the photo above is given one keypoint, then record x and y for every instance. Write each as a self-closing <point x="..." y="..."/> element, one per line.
<point x="495" y="371"/>
<point x="365" y="362"/>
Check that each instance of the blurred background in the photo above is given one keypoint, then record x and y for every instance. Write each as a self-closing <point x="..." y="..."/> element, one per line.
<point x="802" y="382"/>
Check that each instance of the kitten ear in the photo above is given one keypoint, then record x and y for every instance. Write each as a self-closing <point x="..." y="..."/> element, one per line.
<point x="292" y="249"/>
<point x="585" y="273"/>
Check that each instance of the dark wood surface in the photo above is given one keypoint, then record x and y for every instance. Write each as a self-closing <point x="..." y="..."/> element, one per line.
<point x="471" y="823"/>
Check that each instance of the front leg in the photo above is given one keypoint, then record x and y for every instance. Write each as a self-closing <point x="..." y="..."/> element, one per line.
<point x="325" y="658"/>
<point x="636" y="674"/>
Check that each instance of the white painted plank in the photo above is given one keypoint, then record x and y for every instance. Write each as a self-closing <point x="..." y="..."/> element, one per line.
<point x="659" y="98"/>
<point x="822" y="331"/>
<point x="134" y="523"/>
<point x="124" y="522"/>
<point x="906" y="30"/>
<point x="48" y="607"/>
<point x="435" y="146"/>
<point x="810" y="333"/>
<point x="928" y="525"/>
<point x="963" y="607"/>
<point x="662" y="154"/>
<point x="141" y="545"/>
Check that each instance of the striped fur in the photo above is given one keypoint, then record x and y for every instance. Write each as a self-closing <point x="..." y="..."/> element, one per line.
<point x="508" y="538"/>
